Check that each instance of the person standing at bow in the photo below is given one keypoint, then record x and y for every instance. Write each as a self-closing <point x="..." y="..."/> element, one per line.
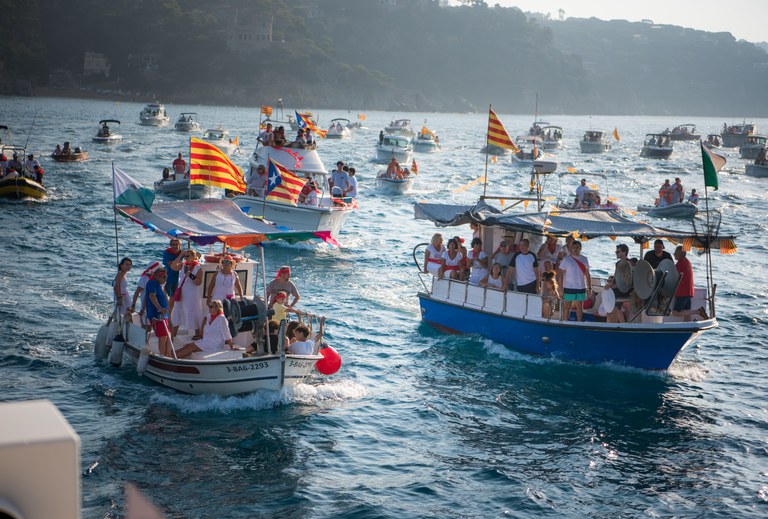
<point x="574" y="279"/>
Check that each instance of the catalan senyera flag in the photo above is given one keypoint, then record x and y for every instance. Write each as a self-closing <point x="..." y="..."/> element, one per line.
<point x="414" y="168"/>
<point x="210" y="166"/>
<point x="616" y="134"/>
<point x="497" y="135"/>
<point x="282" y="185"/>
<point x="266" y="110"/>
<point x="304" y="121"/>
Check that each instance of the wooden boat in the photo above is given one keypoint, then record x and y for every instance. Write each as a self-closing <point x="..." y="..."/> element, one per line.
<point x="76" y="156"/>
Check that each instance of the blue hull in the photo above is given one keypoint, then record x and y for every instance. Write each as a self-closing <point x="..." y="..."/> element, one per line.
<point x="645" y="348"/>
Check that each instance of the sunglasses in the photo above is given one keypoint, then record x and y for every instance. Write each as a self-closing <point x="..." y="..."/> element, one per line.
<point x="226" y="262"/>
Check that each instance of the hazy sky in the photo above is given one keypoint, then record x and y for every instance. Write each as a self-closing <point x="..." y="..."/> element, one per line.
<point x="745" y="19"/>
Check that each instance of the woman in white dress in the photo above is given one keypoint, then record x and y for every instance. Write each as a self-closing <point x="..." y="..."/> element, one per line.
<point x="120" y="286"/>
<point x="478" y="261"/>
<point x="226" y="283"/>
<point x="188" y="313"/>
<point x="215" y="334"/>
<point x="451" y="261"/>
<point x="433" y="254"/>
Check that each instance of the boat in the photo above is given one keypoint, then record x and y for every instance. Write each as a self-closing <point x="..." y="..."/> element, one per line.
<point x="734" y="136"/>
<point x="329" y="215"/>
<point x="651" y="340"/>
<point x="395" y="185"/>
<point x="426" y="141"/>
<point x="397" y="146"/>
<point x="595" y="141"/>
<point x="220" y="138"/>
<point x="105" y="135"/>
<point x="400" y="127"/>
<point x="713" y="141"/>
<point x="587" y="195"/>
<point x="656" y="146"/>
<point x="223" y="373"/>
<point x="357" y="125"/>
<point x="497" y="151"/>
<point x="154" y="114"/>
<point x="292" y="122"/>
<point x="684" y="210"/>
<point x="338" y="129"/>
<point x="551" y="137"/>
<point x="78" y="155"/>
<point x="181" y="188"/>
<point x="760" y="167"/>
<point x="525" y="156"/>
<point x="187" y="122"/>
<point x="752" y="146"/>
<point x="683" y="132"/>
<point x="17" y="184"/>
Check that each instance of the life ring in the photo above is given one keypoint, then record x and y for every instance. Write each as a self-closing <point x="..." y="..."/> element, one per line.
<point x="216" y="258"/>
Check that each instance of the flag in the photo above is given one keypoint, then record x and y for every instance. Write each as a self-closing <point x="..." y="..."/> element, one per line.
<point x="266" y="110"/>
<point x="616" y="134"/>
<point x="361" y="117"/>
<point x="282" y="185"/>
<point x="414" y="168"/>
<point x="497" y="135"/>
<point x="210" y="166"/>
<point x="712" y="164"/>
<point x="129" y="192"/>
<point x="305" y="121"/>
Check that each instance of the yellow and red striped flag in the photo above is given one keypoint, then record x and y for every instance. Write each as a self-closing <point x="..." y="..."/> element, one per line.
<point x="210" y="166"/>
<point x="414" y="168"/>
<point x="497" y="135"/>
<point x="282" y="185"/>
<point x="266" y="110"/>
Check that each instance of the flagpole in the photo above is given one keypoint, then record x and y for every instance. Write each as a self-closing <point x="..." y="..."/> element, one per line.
<point x="114" y="214"/>
<point x="264" y="194"/>
<point x="708" y="244"/>
<point x="485" y="182"/>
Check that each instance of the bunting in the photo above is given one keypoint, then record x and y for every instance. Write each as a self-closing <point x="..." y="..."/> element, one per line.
<point x="305" y="121"/>
<point x="497" y="135"/>
<point x="282" y="185"/>
<point x="210" y="166"/>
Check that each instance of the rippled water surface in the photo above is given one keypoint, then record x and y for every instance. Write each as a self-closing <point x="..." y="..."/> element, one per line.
<point x="416" y="423"/>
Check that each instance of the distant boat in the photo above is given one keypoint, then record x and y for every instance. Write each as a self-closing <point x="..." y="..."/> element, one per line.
<point x="339" y="129"/>
<point x="657" y="146"/>
<point x="219" y="137"/>
<point x="735" y="135"/>
<point x="400" y="127"/>
<point x="15" y="184"/>
<point x="188" y="123"/>
<point x="685" y="210"/>
<point x="395" y="185"/>
<point x="752" y="146"/>
<point x="713" y="141"/>
<point x="397" y="146"/>
<point x="426" y="141"/>
<point x="595" y="141"/>
<point x="552" y="137"/>
<point x="104" y="134"/>
<point x="760" y="167"/>
<point x="684" y="132"/>
<point x="79" y="155"/>
<point x="154" y="114"/>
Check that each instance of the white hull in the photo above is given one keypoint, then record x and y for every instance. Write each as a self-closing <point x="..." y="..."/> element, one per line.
<point x="225" y="146"/>
<point x="154" y="121"/>
<point x="391" y="185"/>
<point x="188" y="127"/>
<point x="425" y="146"/>
<point x="336" y="134"/>
<point x="594" y="147"/>
<point x="680" y="210"/>
<point x="181" y="189"/>
<point x="756" y="170"/>
<point x="108" y="140"/>
<point x="300" y="218"/>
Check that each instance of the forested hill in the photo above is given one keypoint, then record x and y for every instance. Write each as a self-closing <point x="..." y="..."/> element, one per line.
<point x="378" y="54"/>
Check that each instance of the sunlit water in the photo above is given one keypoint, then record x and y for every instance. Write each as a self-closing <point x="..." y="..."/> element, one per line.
<point x="416" y="423"/>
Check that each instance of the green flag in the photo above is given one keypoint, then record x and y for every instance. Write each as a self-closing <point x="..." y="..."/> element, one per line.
<point x="129" y="192"/>
<point x="712" y="164"/>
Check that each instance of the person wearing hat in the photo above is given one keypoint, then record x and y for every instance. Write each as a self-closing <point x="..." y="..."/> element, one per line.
<point x="257" y="182"/>
<point x="339" y="180"/>
<point x="282" y="282"/>
<point x="657" y="255"/>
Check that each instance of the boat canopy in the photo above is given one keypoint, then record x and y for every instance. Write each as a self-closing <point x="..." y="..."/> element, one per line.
<point x="586" y="223"/>
<point x="188" y="113"/>
<point x="297" y="160"/>
<point x="213" y="220"/>
<point x="340" y="119"/>
<point x="103" y="121"/>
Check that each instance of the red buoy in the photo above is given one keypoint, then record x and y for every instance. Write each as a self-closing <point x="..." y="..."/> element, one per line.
<point x="330" y="363"/>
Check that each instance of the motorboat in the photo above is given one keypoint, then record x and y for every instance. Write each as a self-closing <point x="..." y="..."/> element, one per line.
<point x="683" y="132"/>
<point x="16" y="183"/>
<point x="220" y="138"/>
<point x="684" y="210"/>
<point x="551" y="137"/>
<point x="105" y="135"/>
<point x="179" y="187"/>
<point x="187" y="122"/>
<point x="338" y="129"/>
<point x="595" y="141"/>
<point x="357" y="125"/>
<point x="651" y="339"/>
<point x="760" y="167"/>
<point x="713" y="141"/>
<point x="525" y="156"/>
<point x="400" y="127"/>
<point x="328" y="215"/>
<point x="588" y="194"/>
<point x="394" y="184"/>
<point x="154" y="114"/>
<point x="752" y="146"/>
<point x="426" y="141"/>
<point x="397" y="146"/>
<point x="271" y="366"/>
<point x="69" y="155"/>
<point x="735" y="135"/>
<point x="656" y="146"/>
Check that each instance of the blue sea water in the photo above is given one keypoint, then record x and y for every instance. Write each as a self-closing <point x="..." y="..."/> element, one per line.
<point x="417" y="423"/>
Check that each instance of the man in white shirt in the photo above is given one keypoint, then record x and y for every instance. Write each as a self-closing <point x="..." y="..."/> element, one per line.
<point x="257" y="183"/>
<point x="339" y="179"/>
<point x="525" y="268"/>
<point x="581" y="191"/>
<point x="352" y="181"/>
<point x="575" y="282"/>
<point x="304" y="345"/>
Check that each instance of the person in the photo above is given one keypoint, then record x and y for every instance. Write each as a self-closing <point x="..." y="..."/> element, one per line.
<point x="308" y="138"/>
<point x="180" y="166"/>
<point x="393" y="169"/>
<point x="762" y="156"/>
<point x="451" y="261"/>
<point x="339" y="180"/>
<point x="257" y="183"/>
<point x="657" y="255"/>
<point x="352" y="180"/>
<point x="57" y="151"/>
<point x="216" y="334"/>
<point x="167" y="175"/>
<point x="278" y="137"/>
<point x="549" y="254"/>
<point x="503" y="256"/>
<point x="665" y="194"/>
<point x="581" y="192"/>
<point x="574" y="279"/>
<point x="478" y="261"/>
<point x="283" y="282"/>
<point x="173" y="257"/>
<point x="66" y="150"/>
<point x="693" y="197"/>
<point x="15" y="164"/>
<point x="187" y="313"/>
<point x="38" y="174"/>
<point x="265" y="137"/>
<point x="29" y="167"/>
<point x="309" y="195"/>
<point x="120" y="286"/>
<point x="3" y="162"/>
<point x="615" y="313"/>
<point x="433" y="254"/>
<point x="303" y="344"/>
<point x="226" y="283"/>
<point x="677" y="194"/>
<point x="156" y="305"/>
<point x="494" y="279"/>
<point x="525" y="269"/>
<point x="550" y="293"/>
<point x="475" y="229"/>
<point x="381" y="137"/>
<point x="278" y="305"/>
<point x="299" y="141"/>
<point x="685" y="290"/>
<point x="142" y="285"/>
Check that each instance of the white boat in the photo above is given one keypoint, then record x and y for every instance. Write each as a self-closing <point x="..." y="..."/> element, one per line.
<point x="338" y="129"/>
<point x="552" y="137"/>
<point x="657" y="146"/>
<point x="397" y="146"/>
<point x="595" y="141"/>
<point x="684" y="210"/>
<point x="328" y="216"/>
<point x="357" y="125"/>
<point x="683" y="132"/>
<point x="154" y="114"/>
<point x="400" y="127"/>
<point x="426" y="141"/>
<point x="735" y="135"/>
<point x="187" y="122"/>
<point x="220" y="138"/>
<point x="527" y="155"/>
<point x="590" y="196"/>
<point x="105" y="134"/>
<point x="180" y="188"/>
<point x="394" y="185"/>
<point x="227" y="372"/>
<point x="752" y="146"/>
<point x="760" y="167"/>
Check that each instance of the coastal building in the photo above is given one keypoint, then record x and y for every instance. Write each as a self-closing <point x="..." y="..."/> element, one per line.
<point x="249" y="31"/>
<point x="95" y="64"/>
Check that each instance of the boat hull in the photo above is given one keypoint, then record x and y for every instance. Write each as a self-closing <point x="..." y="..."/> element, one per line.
<point x="392" y="185"/>
<point x="21" y="187"/>
<point x="552" y="144"/>
<point x="384" y="154"/>
<point x="300" y="218"/>
<point x="71" y="157"/>
<point x="426" y="146"/>
<point x="643" y="346"/>
<point x="594" y="147"/>
<point x="684" y="210"/>
<point x="187" y="127"/>
<point x="154" y="121"/>
<point x="756" y="170"/>
<point x="181" y="189"/>
<point x="733" y="140"/>
<point x="750" y="151"/>
<point x="685" y="136"/>
<point x="653" y="152"/>
<point x="108" y="140"/>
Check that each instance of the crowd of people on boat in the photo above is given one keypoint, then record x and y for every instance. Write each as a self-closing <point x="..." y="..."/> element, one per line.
<point x="395" y="171"/>
<point x="276" y="138"/>
<point x="342" y="184"/>
<point x="559" y="273"/>
<point x="672" y="193"/>
<point x="660" y="141"/>
<point x="16" y="167"/>
<point x="104" y="131"/>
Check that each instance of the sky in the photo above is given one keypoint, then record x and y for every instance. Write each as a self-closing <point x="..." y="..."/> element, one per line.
<point x="745" y="19"/>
